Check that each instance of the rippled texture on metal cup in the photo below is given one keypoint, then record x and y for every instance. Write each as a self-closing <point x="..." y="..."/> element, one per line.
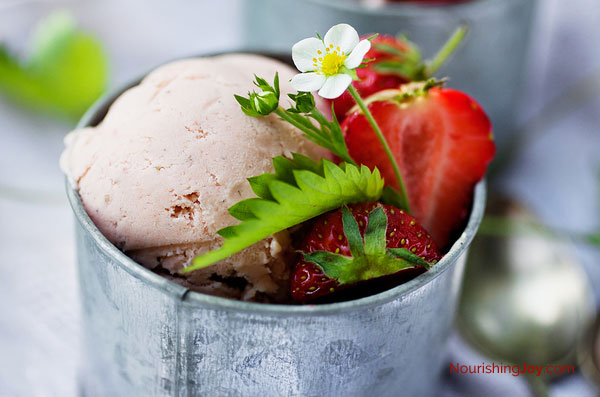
<point x="147" y="336"/>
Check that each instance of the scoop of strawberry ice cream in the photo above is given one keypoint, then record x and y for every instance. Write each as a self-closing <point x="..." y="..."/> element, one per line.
<point x="172" y="155"/>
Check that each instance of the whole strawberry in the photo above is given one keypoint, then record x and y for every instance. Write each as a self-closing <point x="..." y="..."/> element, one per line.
<point x="442" y="141"/>
<point x="358" y="245"/>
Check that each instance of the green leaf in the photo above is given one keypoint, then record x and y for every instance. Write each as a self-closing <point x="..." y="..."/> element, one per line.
<point x="244" y="102"/>
<point x="299" y="191"/>
<point x="333" y="265"/>
<point x="66" y="72"/>
<point x="303" y="162"/>
<point x="352" y="232"/>
<point x="284" y="169"/>
<point x="410" y="258"/>
<point x="260" y="185"/>
<point x="375" y="240"/>
<point x="242" y="210"/>
<point x="276" y="84"/>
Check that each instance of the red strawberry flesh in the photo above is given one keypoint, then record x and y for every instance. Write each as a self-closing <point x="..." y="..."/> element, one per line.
<point x="442" y="142"/>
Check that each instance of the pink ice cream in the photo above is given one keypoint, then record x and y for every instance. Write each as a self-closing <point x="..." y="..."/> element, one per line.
<point x="172" y="155"/>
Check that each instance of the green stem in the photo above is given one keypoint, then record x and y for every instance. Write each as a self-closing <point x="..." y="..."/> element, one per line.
<point x="384" y="143"/>
<point x="447" y="49"/>
<point x="282" y="113"/>
<point x="318" y="136"/>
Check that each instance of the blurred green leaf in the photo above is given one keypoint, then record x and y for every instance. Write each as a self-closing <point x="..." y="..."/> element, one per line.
<point x="65" y="73"/>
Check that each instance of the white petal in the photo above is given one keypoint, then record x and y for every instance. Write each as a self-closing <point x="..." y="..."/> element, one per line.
<point x="343" y="36"/>
<point x="335" y="86"/>
<point x="358" y="53"/>
<point x="307" y="82"/>
<point x="305" y="51"/>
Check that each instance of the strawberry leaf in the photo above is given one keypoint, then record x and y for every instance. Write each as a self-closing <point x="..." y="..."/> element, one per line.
<point x="409" y="257"/>
<point x="375" y="233"/>
<point x="300" y="189"/>
<point x="333" y="265"/>
<point x="352" y="232"/>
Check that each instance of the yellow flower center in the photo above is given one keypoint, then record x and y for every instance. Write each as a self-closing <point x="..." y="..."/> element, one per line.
<point x="331" y="62"/>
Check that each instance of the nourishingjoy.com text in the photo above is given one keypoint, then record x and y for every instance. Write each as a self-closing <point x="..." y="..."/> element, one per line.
<point x="513" y="369"/>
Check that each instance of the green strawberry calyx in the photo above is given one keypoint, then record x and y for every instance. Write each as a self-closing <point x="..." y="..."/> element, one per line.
<point x="369" y="256"/>
<point x="408" y="63"/>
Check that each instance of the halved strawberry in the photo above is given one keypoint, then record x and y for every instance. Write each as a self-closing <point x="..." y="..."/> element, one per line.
<point x="380" y="242"/>
<point x="442" y="141"/>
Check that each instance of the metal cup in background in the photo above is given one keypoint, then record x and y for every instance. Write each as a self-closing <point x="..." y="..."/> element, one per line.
<point x="488" y="65"/>
<point x="144" y="335"/>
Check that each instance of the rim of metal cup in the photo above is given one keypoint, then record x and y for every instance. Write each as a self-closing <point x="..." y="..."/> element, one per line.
<point x="409" y="8"/>
<point x="97" y="112"/>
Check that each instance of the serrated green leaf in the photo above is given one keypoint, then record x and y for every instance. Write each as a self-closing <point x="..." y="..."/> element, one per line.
<point x="284" y="168"/>
<point x="242" y="210"/>
<point x="311" y="191"/>
<point x="260" y="185"/>
<point x="227" y="232"/>
<point x="303" y="162"/>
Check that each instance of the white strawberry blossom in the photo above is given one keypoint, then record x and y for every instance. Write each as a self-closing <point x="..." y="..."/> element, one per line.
<point x="327" y="65"/>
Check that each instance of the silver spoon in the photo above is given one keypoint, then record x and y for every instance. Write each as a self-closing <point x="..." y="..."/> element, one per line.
<point x="525" y="297"/>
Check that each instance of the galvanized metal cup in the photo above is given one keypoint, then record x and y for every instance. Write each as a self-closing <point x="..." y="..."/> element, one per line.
<point x="147" y="336"/>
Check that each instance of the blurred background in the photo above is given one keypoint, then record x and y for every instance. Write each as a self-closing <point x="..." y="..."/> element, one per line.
<point x="533" y="282"/>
